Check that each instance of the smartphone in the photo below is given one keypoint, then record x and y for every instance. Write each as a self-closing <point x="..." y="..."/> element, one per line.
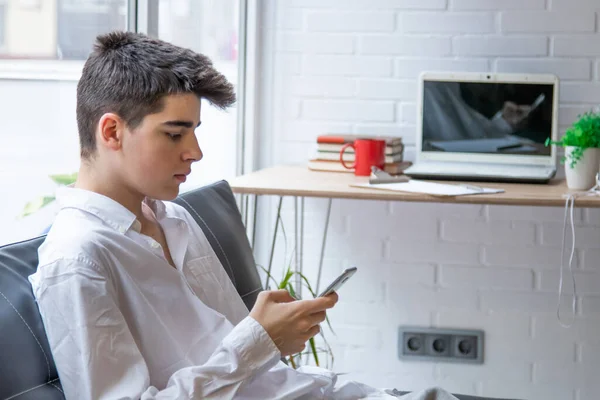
<point x="339" y="281"/>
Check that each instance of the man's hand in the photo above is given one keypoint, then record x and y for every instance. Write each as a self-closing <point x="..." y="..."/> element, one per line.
<point x="515" y="114"/>
<point x="289" y="322"/>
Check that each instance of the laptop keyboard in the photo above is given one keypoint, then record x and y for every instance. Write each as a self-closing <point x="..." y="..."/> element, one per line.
<point x="483" y="170"/>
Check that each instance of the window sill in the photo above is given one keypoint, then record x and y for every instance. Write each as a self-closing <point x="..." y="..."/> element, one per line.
<point x="40" y="70"/>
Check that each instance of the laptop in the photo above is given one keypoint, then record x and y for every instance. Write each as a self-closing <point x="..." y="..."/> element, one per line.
<point x="486" y="127"/>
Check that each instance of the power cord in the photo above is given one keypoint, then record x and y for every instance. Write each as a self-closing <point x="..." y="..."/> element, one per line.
<point x="569" y="206"/>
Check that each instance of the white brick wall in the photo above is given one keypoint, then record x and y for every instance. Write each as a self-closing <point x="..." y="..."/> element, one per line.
<point x="352" y="66"/>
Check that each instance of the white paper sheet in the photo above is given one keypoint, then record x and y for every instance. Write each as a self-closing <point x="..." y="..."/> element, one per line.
<point x="432" y="188"/>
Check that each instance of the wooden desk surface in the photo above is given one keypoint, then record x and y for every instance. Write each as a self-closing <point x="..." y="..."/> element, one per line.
<point x="300" y="181"/>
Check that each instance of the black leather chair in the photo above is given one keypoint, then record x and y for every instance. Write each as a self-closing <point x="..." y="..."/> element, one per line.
<point x="27" y="370"/>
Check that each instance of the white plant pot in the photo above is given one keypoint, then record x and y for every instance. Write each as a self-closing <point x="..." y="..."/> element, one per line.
<point x="583" y="175"/>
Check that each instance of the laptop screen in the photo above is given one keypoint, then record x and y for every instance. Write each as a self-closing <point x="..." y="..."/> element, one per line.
<point x="487" y="117"/>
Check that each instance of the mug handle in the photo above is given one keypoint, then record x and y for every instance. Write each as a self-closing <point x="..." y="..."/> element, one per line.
<point x="342" y="156"/>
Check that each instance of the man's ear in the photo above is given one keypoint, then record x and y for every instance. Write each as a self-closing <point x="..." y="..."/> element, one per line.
<point x="111" y="131"/>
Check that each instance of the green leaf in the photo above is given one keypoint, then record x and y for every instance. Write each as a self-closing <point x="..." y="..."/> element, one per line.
<point x="36" y="204"/>
<point x="288" y="275"/>
<point x="64" y="179"/>
<point x="313" y="348"/>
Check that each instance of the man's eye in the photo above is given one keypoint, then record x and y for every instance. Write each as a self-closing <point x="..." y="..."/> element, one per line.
<point x="173" y="136"/>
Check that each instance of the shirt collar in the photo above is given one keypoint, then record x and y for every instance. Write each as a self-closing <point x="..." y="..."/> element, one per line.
<point x="111" y="212"/>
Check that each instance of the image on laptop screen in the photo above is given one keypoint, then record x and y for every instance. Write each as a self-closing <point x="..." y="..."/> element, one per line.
<point x="487" y="117"/>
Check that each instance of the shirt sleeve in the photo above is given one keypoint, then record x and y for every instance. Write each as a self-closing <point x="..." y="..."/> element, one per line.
<point x="97" y="357"/>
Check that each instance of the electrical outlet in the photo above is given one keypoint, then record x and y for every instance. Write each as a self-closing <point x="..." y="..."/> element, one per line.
<point x="430" y="344"/>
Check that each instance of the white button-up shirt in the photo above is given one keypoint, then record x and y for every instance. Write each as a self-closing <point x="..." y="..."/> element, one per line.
<point x="123" y="324"/>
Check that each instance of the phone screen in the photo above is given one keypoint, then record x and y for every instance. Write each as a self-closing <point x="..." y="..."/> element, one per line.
<point x="339" y="281"/>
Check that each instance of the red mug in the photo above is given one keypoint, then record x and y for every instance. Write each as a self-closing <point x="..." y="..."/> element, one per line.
<point x="367" y="152"/>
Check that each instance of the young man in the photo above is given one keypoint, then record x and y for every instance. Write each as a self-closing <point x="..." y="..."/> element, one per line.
<point x="134" y="301"/>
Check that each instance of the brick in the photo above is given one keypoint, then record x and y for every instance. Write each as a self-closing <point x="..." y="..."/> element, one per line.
<point x="545" y="22"/>
<point x="511" y="373"/>
<point x="557" y="391"/>
<point x="585" y="236"/>
<point x="412" y="68"/>
<point x="361" y="224"/>
<point x="289" y="19"/>
<point x="341" y="65"/>
<point x="414" y="46"/>
<point x="445" y="210"/>
<point x="401" y="275"/>
<point x="408" y="113"/>
<point x="590" y="305"/>
<point x="424" y="299"/>
<point x="307" y="131"/>
<point x="519" y="256"/>
<point x="580" y="93"/>
<point x="452" y="253"/>
<point x="564" y="69"/>
<point x="348" y="110"/>
<point x="591" y="260"/>
<point x="577" y="45"/>
<point x="502" y="232"/>
<point x="358" y="337"/>
<point x="592" y="216"/>
<point x="493" y="323"/>
<point x="321" y="86"/>
<point x="352" y="22"/>
<point x="407" y="133"/>
<point x="387" y="89"/>
<point x="522" y="302"/>
<point x="547" y="329"/>
<point x="488" y="278"/>
<point x="287" y="64"/>
<point x="587" y="283"/>
<point x="568" y="114"/>
<point x="459" y="23"/>
<point x="314" y="43"/>
<point x="534" y="214"/>
<point x="370" y="4"/>
<point x="493" y="5"/>
<point x="500" y="46"/>
<point x="562" y="5"/>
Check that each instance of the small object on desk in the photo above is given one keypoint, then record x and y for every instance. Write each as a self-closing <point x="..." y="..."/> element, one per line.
<point x="432" y="188"/>
<point x="379" y="176"/>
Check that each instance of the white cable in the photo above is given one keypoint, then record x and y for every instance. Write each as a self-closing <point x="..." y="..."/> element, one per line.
<point x="569" y="206"/>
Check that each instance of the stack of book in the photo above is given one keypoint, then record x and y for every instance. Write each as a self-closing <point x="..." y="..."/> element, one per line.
<point x="330" y="145"/>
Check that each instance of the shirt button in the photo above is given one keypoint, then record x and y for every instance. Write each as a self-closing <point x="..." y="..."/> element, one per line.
<point x="155" y="245"/>
<point x="137" y="226"/>
<point x="122" y="229"/>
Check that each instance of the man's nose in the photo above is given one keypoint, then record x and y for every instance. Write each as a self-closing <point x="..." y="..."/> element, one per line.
<point x="194" y="152"/>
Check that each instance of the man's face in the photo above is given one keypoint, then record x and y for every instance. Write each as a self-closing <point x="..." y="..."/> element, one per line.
<point x="159" y="152"/>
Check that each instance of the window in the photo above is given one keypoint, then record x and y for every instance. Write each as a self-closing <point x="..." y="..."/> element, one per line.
<point x="209" y="27"/>
<point x="56" y="30"/>
<point x="38" y="130"/>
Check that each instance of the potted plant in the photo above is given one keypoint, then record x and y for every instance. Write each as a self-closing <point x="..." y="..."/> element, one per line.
<point x="582" y="151"/>
<point x="42" y="201"/>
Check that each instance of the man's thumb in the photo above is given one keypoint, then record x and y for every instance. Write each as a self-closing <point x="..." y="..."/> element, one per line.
<point x="281" y="296"/>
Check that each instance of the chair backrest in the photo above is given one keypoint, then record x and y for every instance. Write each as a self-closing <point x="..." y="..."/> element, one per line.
<point x="27" y="370"/>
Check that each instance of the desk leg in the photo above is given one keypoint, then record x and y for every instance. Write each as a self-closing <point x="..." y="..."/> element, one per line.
<point x="274" y="240"/>
<point x="323" y="243"/>
<point x="254" y="220"/>
<point x="299" y="249"/>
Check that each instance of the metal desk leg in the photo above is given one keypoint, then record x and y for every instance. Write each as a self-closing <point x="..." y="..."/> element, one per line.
<point x="323" y="245"/>
<point x="254" y="220"/>
<point x="273" y="243"/>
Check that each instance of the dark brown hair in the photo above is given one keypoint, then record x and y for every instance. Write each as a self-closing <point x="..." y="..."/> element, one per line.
<point x="129" y="73"/>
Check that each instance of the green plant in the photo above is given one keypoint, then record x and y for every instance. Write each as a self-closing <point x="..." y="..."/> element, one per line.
<point x="287" y="282"/>
<point x="42" y="201"/>
<point x="583" y="134"/>
<point x="313" y="350"/>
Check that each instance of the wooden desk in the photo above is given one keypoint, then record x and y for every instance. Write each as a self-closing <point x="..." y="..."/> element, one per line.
<point x="299" y="181"/>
